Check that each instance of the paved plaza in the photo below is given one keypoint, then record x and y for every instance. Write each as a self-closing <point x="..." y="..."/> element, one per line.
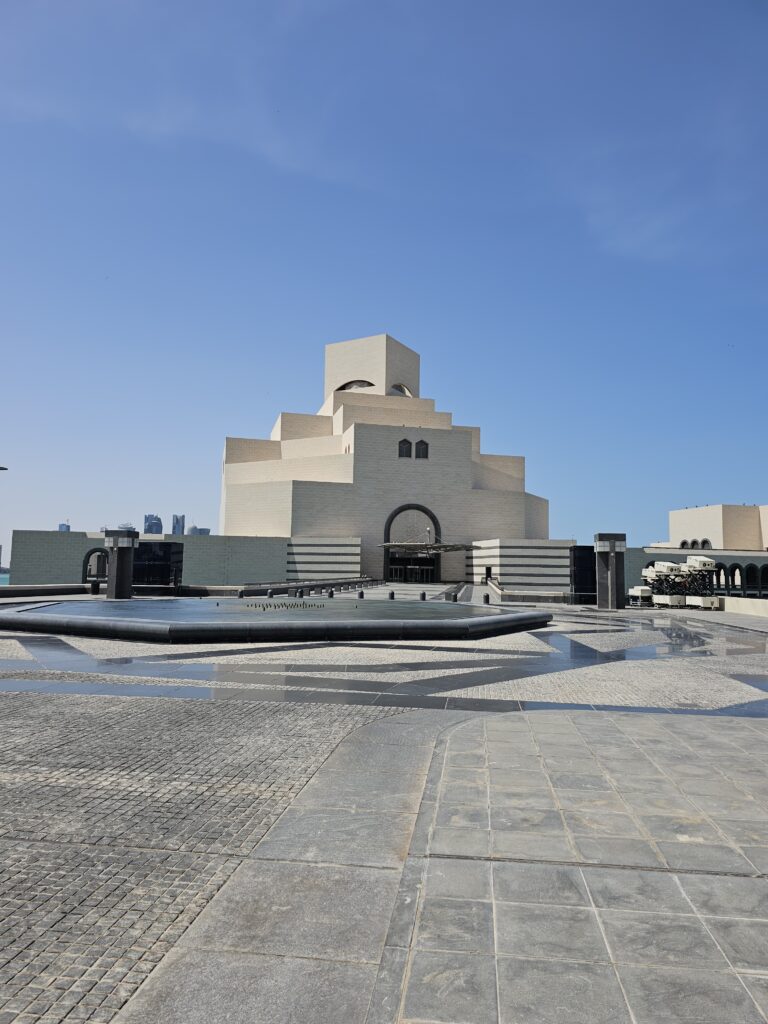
<point x="564" y="826"/>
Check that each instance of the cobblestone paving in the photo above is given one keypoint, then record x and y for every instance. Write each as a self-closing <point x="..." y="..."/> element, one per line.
<point x="120" y="819"/>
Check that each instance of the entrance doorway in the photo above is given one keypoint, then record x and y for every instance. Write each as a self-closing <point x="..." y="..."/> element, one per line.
<point x="411" y="569"/>
<point x="411" y="526"/>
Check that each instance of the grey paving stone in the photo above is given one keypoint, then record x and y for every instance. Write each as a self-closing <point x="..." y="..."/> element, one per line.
<point x="538" y="800"/>
<point x="659" y="995"/>
<point x="757" y="855"/>
<point x="359" y="753"/>
<point x="558" y="992"/>
<point x="451" y="988"/>
<point x="725" y="896"/>
<point x="387" y="992"/>
<point x="606" y="850"/>
<point x="467" y="879"/>
<point x="683" y="827"/>
<point x="362" y="790"/>
<point x="758" y="987"/>
<point x="526" y="819"/>
<point x="600" y="823"/>
<point x="569" y="933"/>
<point x="705" y="857"/>
<point x="530" y="846"/>
<point x="744" y="830"/>
<point x="369" y="838"/>
<point x="589" y="800"/>
<point x="294" y="909"/>
<point x="505" y="759"/>
<point x="415" y="728"/>
<point x="576" y="780"/>
<point x="455" y="924"/>
<point x="460" y="842"/>
<point x="745" y="943"/>
<point x="465" y="760"/>
<point x="648" y="797"/>
<point x="624" y="889"/>
<point x="660" y="939"/>
<point x="403" y="920"/>
<point x="196" y="987"/>
<point x="468" y="776"/>
<point x="421" y="832"/>
<point x="514" y="781"/>
<point x="561" y="762"/>
<point x="461" y="816"/>
<point x="539" y="883"/>
<point x="462" y="793"/>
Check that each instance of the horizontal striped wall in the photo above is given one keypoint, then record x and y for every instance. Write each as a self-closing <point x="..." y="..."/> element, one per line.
<point x="321" y="558"/>
<point x="523" y="565"/>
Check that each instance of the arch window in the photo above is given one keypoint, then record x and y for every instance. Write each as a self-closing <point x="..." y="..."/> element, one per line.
<point x="355" y="385"/>
<point x="683" y="543"/>
<point x="706" y="544"/>
<point x="404" y="449"/>
<point x="764" y="580"/>
<point x="751" y="577"/>
<point x="400" y="390"/>
<point x="422" y="450"/>
<point x="694" y="544"/>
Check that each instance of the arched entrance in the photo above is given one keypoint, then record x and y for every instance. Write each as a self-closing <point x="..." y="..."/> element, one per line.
<point x="95" y="565"/>
<point x="411" y="524"/>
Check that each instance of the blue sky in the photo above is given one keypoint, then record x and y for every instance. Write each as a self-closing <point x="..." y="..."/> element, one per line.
<point x="561" y="206"/>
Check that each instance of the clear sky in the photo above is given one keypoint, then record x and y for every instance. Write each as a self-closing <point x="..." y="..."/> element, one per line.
<point x="562" y="206"/>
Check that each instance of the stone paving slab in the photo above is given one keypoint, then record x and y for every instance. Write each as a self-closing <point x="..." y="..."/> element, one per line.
<point x="203" y="987"/>
<point x="323" y="911"/>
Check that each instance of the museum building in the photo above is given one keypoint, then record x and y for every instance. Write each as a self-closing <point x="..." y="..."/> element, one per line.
<point x="380" y="468"/>
<point x="377" y="482"/>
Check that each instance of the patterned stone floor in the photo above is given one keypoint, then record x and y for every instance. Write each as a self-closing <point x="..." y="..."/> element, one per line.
<point x="120" y="819"/>
<point x="631" y="660"/>
<point x="173" y="814"/>
<point x="538" y="868"/>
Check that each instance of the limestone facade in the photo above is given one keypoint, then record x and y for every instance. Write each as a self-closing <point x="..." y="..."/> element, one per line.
<point x="376" y="446"/>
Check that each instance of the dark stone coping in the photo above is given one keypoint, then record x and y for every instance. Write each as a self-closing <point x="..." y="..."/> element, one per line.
<point x="44" y="589"/>
<point x="337" y="630"/>
<point x="215" y="590"/>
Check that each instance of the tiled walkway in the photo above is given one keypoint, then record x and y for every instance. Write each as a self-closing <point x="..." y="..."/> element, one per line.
<point x="539" y="869"/>
<point x="599" y="854"/>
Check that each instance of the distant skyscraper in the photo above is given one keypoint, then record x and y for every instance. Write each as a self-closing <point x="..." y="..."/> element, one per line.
<point x="199" y="531"/>
<point x="63" y="527"/>
<point x="153" y="523"/>
<point x="178" y="526"/>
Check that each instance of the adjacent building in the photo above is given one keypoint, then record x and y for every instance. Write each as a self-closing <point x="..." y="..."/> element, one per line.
<point x="734" y="536"/>
<point x="719" y="527"/>
<point x="177" y="526"/>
